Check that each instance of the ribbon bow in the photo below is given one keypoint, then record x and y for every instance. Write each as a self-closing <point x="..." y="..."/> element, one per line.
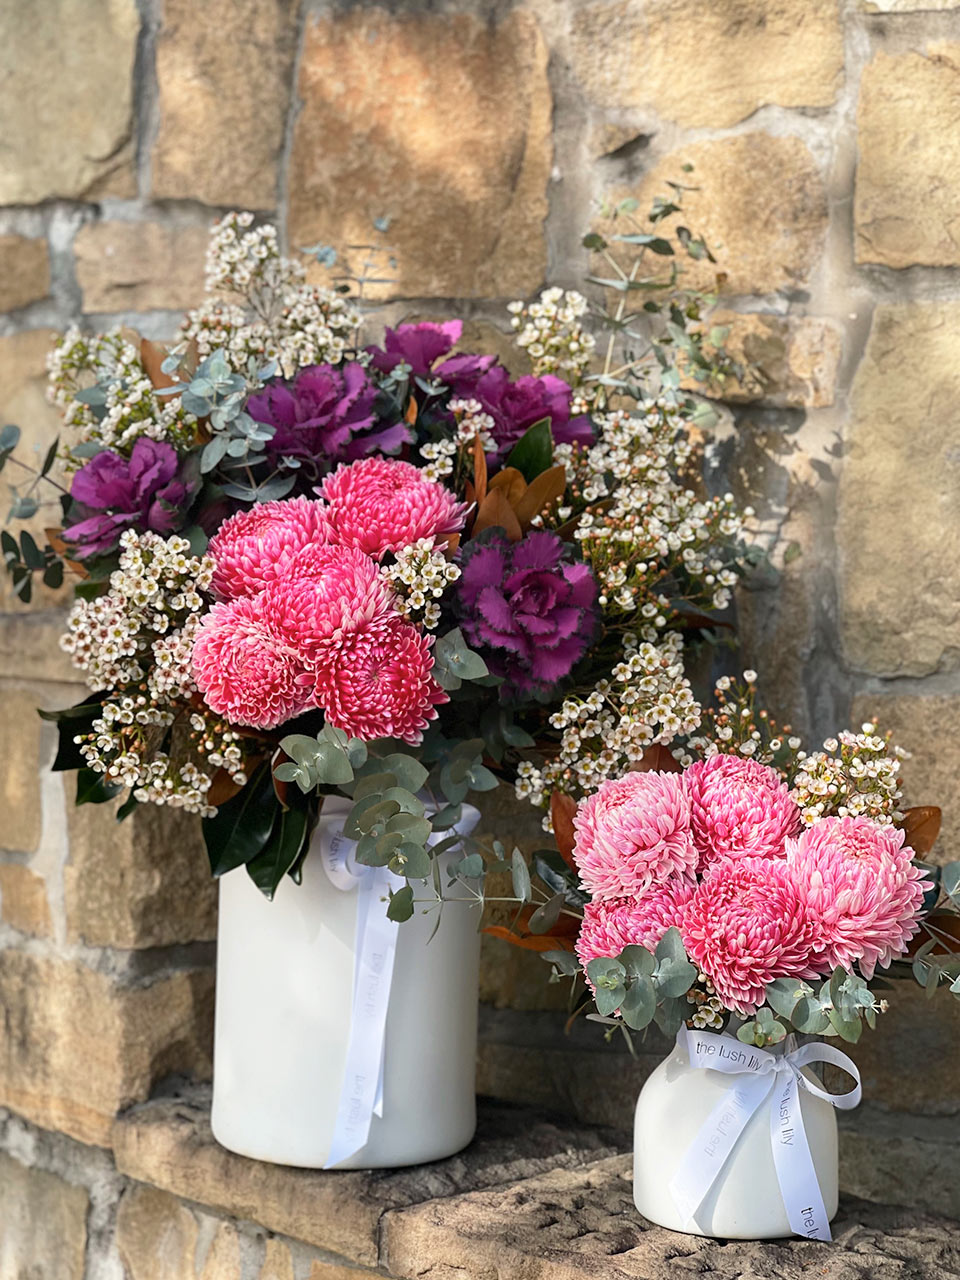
<point x="763" y="1074"/>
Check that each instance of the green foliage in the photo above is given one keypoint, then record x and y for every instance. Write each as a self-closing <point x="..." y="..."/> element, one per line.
<point x="453" y="662"/>
<point x="644" y="986"/>
<point x="533" y="452"/>
<point x="241" y="828"/>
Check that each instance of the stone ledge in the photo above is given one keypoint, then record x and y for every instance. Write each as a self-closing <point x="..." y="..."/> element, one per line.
<point x="168" y="1144"/>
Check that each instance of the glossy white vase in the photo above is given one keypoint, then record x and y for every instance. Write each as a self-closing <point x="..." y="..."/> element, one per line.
<point x="745" y="1202"/>
<point x="285" y="975"/>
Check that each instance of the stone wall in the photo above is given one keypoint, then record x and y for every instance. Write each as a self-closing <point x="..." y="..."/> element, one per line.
<point x="824" y="138"/>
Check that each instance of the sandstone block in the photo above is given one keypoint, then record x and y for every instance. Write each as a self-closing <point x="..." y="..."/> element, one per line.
<point x="24" y="271"/>
<point x="688" y="61"/>
<point x="788" y="360"/>
<point x="79" y="1046"/>
<point x="30" y="648"/>
<point x="156" y="1235"/>
<point x="908" y="6"/>
<point x="23" y="900"/>
<point x="905" y="208"/>
<point x="168" y="1144"/>
<point x="143" y="882"/>
<point x="66" y="99"/>
<point x="760" y="204"/>
<point x="140" y="266"/>
<point x="43" y="1231"/>
<point x="224" y="86"/>
<point x="931" y="775"/>
<point x="897" y="532"/>
<point x="580" y="1222"/>
<point x="439" y="122"/>
<point x="21" y="755"/>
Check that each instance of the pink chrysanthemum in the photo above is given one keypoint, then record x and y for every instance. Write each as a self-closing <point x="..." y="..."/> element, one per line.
<point x="739" y="809"/>
<point x="377" y="683"/>
<point x="330" y="592"/>
<point x="257" y="546"/>
<point x="862" y="886"/>
<point x="380" y="504"/>
<point x="610" y="924"/>
<point x="244" y="670"/>
<point x="634" y="832"/>
<point x="745" y="925"/>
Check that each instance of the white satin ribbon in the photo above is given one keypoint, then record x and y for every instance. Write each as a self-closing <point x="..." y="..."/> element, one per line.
<point x="761" y="1074"/>
<point x="375" y="949"/>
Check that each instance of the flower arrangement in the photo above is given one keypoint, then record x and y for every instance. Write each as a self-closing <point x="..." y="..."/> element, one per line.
<point x="740" y="879"/>
<point x="307" y="563"/>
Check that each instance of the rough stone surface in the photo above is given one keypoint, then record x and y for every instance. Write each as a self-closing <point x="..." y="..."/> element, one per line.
<point x="440" y="122"/>
<point x="30" y="648"/>
<point x="897" y="533"/>
<point x="788" y="360"/>
<point x="907" y="6"/>
<point x="20" y="754"/>
<point x="224" y="85"/>
<point x="66" y="99"/>
<point x="168" y="1144"/>
<point x="144" y="882"/>
<point x="23" y="381"/>
<point x="901" y="1159"/>
<point x="156" y="1236"/>
<point x="761" y="207"/>
<point x="43" y="1231"/>
<point x="686" y="60"/>
<point x="571" y="1223"/>
<point x="905" y="209"/>
<point x="23" y="900"/>
<point x="932" y="774"/>
<point x="24" y="271"/>
<point x="78" y="1047"/>
<point x="140" y="266"/>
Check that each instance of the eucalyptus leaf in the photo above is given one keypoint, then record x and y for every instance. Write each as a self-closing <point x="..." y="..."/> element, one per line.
<point x="521" y="877"/>
<point x="546" y="916"/>
<point x="400" y="907"/>
<point x="639" y="1004"/>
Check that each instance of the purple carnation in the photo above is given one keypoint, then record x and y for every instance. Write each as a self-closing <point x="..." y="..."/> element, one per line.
<point x="325" y="415"/>
<point x="528" y="608"/>
<point x="516" y="405"/>
<point x="147" y="491"/>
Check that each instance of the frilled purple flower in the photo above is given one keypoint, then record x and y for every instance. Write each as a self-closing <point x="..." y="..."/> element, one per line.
<point x="528" y="609"/>
<point x="418" y="345"/>
<point x="517" y="405"/>
<point x="325" y="415"/>
<point x="147" y="491"/>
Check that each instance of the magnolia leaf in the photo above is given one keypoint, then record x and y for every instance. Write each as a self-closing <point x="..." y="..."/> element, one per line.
<point x="921" y="826"/>
<point x="496" y="511"/>
<point x="533" y="452"/>
<point x="541" y="494"/>
<point x="563" y="809"/>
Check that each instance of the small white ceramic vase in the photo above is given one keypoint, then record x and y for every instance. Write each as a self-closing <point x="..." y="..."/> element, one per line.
<point x="745" y="1201"/>
<point x="285" y="975"/>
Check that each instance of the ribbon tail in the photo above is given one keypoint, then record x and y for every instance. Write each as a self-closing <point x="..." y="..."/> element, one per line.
<point x="707" y="1154"/>
<point x="799" y="1184"/>
<point x="376" y="945"/>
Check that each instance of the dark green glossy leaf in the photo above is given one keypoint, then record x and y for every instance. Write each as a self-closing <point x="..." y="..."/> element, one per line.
<point x="92" y="788"/>
<point x="533" y="452"/>
<point x="241" y="827"/>
<point x="51" y="457"/>
<point x="281" y="851"/>
<point x="127" y="807"/>
<point x="53" y="575"/>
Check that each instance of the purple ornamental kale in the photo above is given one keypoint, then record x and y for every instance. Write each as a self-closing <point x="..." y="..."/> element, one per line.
<point x="325" y="415"/>
<point x="421" y="346"/>
<point x="147" y="491"/>
<point x="516" y="405"/>
<point x="529" y="610"/>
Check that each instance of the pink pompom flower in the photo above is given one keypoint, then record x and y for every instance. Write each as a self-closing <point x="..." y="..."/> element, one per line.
<point x="747" y="924"/>
<point x="257" y="546"/>
<point x="862" y="886"/>
<point x="739" y="809"/>
<point x="377" y="683"/>
<point x="330" y="592"/>
<point x="380" y="504"/>
<point x="610" y="924"/>
<point x="634" y="832"/>
<point x="244" y="670"/>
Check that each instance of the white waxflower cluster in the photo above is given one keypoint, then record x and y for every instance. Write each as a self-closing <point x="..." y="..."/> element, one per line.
<point x="855" y="775"/>
<point x="440" y="456"/>
<point x="420" y="576"/>
<point x="654" y="530"/>
<point x="709" y="1010"/>
<point x="131" y="408"/>
<point x="648" y="700"/>
<point x="551" y="332"/>
<point x="153" y="594"/>
<point x="472" y="422"/>
<point x="270" y="311"/>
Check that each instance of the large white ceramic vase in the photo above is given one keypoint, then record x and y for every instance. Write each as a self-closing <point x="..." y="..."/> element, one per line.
<point x="285" y="982"/>
<point x="745" y="1202"/>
